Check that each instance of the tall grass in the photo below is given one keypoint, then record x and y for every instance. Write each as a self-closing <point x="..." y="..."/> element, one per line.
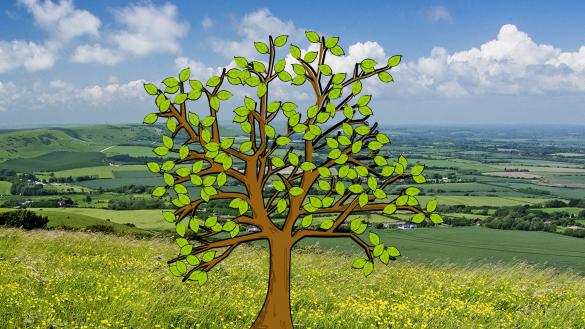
<point x="84" y="280"/>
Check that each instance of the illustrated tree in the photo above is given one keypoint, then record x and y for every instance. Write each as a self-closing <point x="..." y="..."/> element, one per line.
<point x="297" y="173"/>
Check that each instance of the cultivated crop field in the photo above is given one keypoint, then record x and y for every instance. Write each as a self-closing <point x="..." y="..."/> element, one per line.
<point x="97" y="281"/>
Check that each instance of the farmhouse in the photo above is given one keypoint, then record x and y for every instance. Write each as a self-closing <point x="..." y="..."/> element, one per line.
<point x="399" y="224"/>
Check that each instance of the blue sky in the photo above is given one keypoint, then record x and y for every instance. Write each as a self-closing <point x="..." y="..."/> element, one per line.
<point x="64" y="62"/>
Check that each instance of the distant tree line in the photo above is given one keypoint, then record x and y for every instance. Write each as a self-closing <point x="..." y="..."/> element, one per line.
<point x="23" y="218"/>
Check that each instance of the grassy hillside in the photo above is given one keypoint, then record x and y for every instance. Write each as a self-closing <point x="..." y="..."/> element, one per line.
<point x="54" y="161"/>
<point x="29" y="143"/>
<point x="65" y="279"/>
<point x="5" y="188"/>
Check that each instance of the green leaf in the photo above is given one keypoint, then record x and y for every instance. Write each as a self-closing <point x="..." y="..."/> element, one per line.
<point x="436" y="218"/>
<point x="307" y="221"/>
<point x="361" y="229"/>
<point x="307" y="166"/>
<point x="224" y="95"/>
<point x="368" y="268"/>
<point x="280" y="40"/>
<point x="213" y="81"/>
<point x="228" y="226"/>
<point x="337" y="51"/>
<point x="326" y="224"/>
<point x="385" y="257"/>
<point x="194" y="224"/>
<point x="241" y="62"/>
<point x="417" y="170"/>
<point x="211" y="221"/>
<point x="193" y="260"/>
<point x="418" y="218"/>
<point x="171" y="82"/>
<point x="161" y="151"/>
<point x="331" y="42"/>
<point x="412" y="191"/>
<point x="184" y="75"/>
<point x="324" y="185"/>
<point x="284" y="76"/>
<point x="296" y="191"/>
<point x="355" y="224"/>
<point x="261" y="47"/>
<point x="183" y="152"/>
<point x="310" y="56"/>
<point x="208" y="256"/>
<point x="235" y="231"/>
<point x="325" y="69"/>
<point x="385" y="77"/>
<point x="262" y="89"/>
<point x="363" y="199"/>
<point x="368" y="63"/>
<point x="258" y="67"/>
<point x="181" y="267"/>
<point x="278" y="185"/>
<point x="402" y="160"/>
<point x="390" y="209"/>
<point x="312" y="36"/>
<point x="281" y="205"/>
<point x="159" y="191"/>
<point x="183" y="172"/>
<point x="167" y="141"/>
<point x="359" y="263"/>
<point x="282" y="140"/>
<point x="295" y="52"/>
<point x="374" y="238"/>
<point x="150" y="118"/>
<point x="153" y="167"/>
<point x="150" y="88"/>
<point x="171" y="125"/>
<point x="378" y="250"/>
<point x="180" y="228"/>
<point x="402" y="200"/>
<point x="393" y="252"/>
<point x="394" y="60"/>
<point x="364" y="100"/>
<point x="419" y="179"/>
<point x="432" y="205"/>
<point x="169" y="216"/>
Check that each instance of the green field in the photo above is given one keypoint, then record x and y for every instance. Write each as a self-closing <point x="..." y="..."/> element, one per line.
<point x="54" y="161"/>
<point x="472" y="245"/>
<point x="5" y="188"/>
<point x="65" y="279"/>
<point x="99" y="171"/>
<point x="148" y="219"/>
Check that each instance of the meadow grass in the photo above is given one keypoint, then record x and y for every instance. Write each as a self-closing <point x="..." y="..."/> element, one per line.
<point x="82" y="280"/>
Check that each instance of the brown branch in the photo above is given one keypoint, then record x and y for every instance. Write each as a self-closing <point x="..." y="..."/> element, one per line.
<point x="299" y="235"/>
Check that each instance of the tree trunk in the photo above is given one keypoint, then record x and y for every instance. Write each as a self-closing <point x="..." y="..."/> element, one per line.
<point x="275" y="313"/>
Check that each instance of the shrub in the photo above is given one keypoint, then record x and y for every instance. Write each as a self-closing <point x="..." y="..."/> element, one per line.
<point x="23" y="218"/>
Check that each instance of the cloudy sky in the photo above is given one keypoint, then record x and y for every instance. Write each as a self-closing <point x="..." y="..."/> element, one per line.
<point x="66" y="61"/>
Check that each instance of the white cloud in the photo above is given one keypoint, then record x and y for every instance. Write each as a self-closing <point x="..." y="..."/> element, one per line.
<point x="206" y="23"/>
<point x="511" y="64"/>
<point x="62" y="20"/>
<point x="149" y="29"/>
<point x="96" y="54"/>
<point x="438" y="13"/>
<point x="30" y="55"/>
<point x="9" y="93"/>
<point x="255" y="26"/>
